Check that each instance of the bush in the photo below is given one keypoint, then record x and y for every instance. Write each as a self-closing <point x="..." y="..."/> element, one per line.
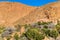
<point x="53" y="33"/>
<point x="2" y="29"/>
<point x="16" y="36"/>
<point x="43" y="23"/>
<point x="34" y="34"/>
<point x="50" y="33"/>
<point x="58" y="28"/>
<point x="46" y="31"/>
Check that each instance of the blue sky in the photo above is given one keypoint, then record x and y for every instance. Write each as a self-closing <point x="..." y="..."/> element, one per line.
<point x="32" y="2"/>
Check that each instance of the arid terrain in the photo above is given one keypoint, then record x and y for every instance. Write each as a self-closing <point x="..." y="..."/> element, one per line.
<point x="14" y="13"/>
<point x="11" y="12"/>
<point x="22" y="22"/>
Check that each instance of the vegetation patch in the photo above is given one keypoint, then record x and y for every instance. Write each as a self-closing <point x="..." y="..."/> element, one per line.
<point x="36" y="31"/>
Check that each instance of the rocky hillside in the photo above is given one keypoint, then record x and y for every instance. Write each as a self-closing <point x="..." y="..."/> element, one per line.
<point x="17" y="13"/>
<point x="49" y="12"/>
<point x="12" y="11"/>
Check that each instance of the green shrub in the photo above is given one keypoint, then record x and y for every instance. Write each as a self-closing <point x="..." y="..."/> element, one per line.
<point x="16" y="37"/>
<point x="46" y="31"/>
<point x="58" y="28"/>
<point x="34" y="34"/>
<point x="2" y="29"/>
<point x="43" y="23"/>
<point x="53" y="33"/>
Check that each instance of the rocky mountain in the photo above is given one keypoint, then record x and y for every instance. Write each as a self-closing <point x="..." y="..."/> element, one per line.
<point x="17" y="13"/>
